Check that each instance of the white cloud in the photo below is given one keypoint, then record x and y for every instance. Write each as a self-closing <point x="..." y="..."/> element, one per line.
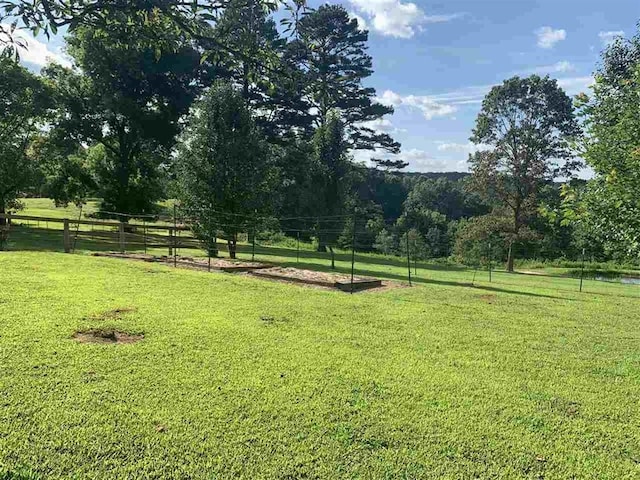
<point x="463" y="96"/>
<point x="442" y="18"/>
<point x="418" y="160"/>
<point x="397" y="19"/>
<point x="35" y="52"/>
<point x="575" y="85"/>
<point x="429" y="107"/>
<point x="383" y="125"/>
<point x="464" y="148"/>
<point x="609" y="37"/>
<point x="560" y="67"/>
<point x="548" y="37"/>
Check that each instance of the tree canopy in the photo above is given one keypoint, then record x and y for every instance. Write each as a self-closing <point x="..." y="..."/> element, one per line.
<point x="527" y="126"/>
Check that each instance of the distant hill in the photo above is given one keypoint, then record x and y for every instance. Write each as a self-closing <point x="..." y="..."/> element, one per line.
<point x="453" y="176"/>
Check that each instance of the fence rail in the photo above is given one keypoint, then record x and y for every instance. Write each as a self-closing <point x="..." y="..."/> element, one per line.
<point x="123" y="233"/>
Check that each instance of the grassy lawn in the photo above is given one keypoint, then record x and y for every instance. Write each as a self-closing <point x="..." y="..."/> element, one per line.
<point x="245" y="378"/>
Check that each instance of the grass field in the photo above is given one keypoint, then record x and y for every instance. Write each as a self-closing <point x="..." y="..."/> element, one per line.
<point x="245" y="378"/>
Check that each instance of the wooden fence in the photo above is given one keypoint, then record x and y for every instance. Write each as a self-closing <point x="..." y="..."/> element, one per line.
<point x="121" y="234"/>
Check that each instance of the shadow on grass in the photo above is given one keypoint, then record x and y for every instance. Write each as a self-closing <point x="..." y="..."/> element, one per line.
<point x="372" y="259"/>
<point x="416" y="280"/>
<point x="28" y="238"/>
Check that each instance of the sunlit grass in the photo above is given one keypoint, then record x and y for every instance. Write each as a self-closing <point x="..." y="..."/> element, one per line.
<point x="245" y="378"/>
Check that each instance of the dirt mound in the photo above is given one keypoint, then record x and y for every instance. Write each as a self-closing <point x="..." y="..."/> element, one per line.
<point x="106" y="336"/>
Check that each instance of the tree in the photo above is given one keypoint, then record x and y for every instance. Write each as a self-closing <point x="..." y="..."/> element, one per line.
<point x="612" y="147"/>
<point x="260" y="68"/>
<point x="47" y="16"/>
<point x="333" y="53"/>
<point x="24" y="100"/>
<point x="224" y="167"/>
<point x="330" y="175"/>
<point x="528" y="125"/>
<point x="128" y="97"/>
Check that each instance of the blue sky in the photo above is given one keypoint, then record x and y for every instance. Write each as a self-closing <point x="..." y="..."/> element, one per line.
<point x="435" y="60"/>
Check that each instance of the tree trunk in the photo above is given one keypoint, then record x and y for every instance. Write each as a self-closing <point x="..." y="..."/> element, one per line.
<point x="333" y="259"/>
<point x="3" y="221"/>
<point x="510" y="259"/>
<point x="232" y="244"/>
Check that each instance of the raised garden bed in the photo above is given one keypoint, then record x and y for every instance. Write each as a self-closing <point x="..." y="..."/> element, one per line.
<point x="319" y="279"/>
<point x="333" y="281"/>
<point x="217" y="264"/>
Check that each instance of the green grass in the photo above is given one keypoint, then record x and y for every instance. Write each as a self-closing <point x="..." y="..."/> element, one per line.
<point x="245" y="378"/>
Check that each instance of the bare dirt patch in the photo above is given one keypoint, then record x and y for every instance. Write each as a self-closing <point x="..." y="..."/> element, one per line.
<point x="326" y="280"/>
<point x="106" y="336"/>
<point x="489" y="298"/>
<point x="217" y="264"/>
<point x="320" y="279"/>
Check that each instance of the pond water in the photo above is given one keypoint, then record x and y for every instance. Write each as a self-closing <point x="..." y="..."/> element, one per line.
<point x="623" y="280"/>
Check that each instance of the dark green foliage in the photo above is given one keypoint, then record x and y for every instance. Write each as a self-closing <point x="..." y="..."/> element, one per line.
<point x="264" y="72"/>
<point x="332" y="52"/>
<point x="128" y="99"/>
<point x="612" y="149"/>
<point x="329" y="178"/>
<point x="226" y="172"/>
<point x="24" y="101"/>
<point x="528" y="125"/>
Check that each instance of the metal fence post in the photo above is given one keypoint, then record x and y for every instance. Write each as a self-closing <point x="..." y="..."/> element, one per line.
<point x="353" y="250"/>
<point x="408" y="259"/>
<point x="490" y="261"/>
<point x="582" y="270"/>
<point x="253" y="243"/>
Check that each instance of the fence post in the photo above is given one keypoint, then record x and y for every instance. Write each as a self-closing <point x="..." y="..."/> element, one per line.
<point x="144" y="234"/>
<point x="121" y="236"/>
<point x="353" y="250"/>
<point x="490" y="261"/>
<point x="4" y="231"/>
<point x="67" y="236"/>
<point x="298" y="251"/>
<point x="175" y="237"/>
<point x="408" y="259"/>
<point x="582" y="270"/>
<point x="253" y="243"/>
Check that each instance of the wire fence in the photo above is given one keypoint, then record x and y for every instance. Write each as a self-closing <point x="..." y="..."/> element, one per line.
<point x="342" y="244"/>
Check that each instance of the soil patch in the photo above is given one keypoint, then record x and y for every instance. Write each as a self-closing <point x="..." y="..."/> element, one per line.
<point x="106" y="336"/>
<point x="217" y="264"/>
<point x="326" y="280"/>
<point x="489" y="298"/>
<point x="319" y="279"/>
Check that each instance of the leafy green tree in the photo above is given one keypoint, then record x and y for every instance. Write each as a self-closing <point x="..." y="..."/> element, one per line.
<point x="24" y="102"/>
<point x="386" y="242"/>
<point x="184" y="18"/>
<point x="612" y="147"/>
<point x="225" y="169"/>
<point x="257" y="63"/>
<point x="330" y="179"/>
<point x="528" y="125"/>
<point x="332" y="51"/>
<point x="128" y="97"/>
